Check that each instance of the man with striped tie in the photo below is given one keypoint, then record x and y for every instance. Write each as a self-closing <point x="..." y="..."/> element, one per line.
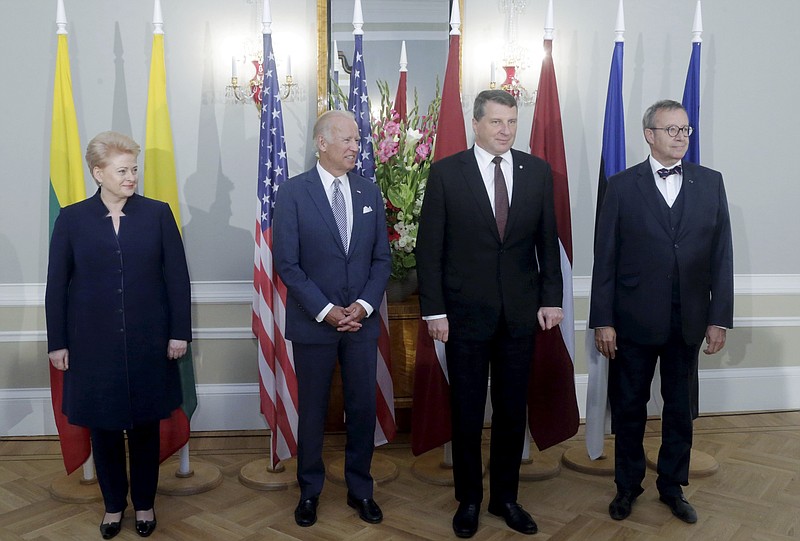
<point x="332" y="252"/>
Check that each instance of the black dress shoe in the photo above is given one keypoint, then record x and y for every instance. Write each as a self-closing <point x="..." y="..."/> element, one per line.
<point x="145" y="527"/>
<point x="111" y="529"/>
<point x="620" y="506"/>
<point x="516" y="517"/>
<point x="680" y="507"/>
<point x="305" y="514"/>
<point x="465" y="521"/>
<point x="367" y="509"/>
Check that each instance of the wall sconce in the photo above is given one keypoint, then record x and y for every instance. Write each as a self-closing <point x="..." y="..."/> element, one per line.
<point x="512" y="85"/>
<point x="234" y="93"/>
<point x="515" y="57"/>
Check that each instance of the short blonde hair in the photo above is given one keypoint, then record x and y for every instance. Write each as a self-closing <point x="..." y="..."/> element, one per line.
<point x="104" y="144"/>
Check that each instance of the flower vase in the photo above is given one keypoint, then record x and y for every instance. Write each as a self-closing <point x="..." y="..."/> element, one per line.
<point x="401" y="290"/>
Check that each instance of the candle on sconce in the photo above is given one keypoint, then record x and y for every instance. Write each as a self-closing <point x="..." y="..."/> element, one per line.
<point x="234" y="68"/>
<point x="491" y="78"/>
<point x="289" y="66"/>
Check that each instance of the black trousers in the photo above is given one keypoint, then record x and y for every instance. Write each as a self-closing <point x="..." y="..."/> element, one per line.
<point x="314" y="364"/>
<point x="629" y="379"/>
<point x="468" y="365"/>
<point x="108" y="449"/>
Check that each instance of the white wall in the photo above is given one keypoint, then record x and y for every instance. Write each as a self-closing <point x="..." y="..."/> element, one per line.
<point x="749" y="119"/>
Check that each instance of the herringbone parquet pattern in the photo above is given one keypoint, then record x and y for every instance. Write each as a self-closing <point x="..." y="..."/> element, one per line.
<point x="754" y="496"/>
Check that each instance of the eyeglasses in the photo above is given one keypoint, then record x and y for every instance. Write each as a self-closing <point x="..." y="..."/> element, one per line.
<point x="673" y="131"/>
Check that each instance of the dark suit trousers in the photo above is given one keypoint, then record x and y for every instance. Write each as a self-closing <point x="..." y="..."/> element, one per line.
<point x="630" y="375"/>
<point x="108" y="450"/>
<point x="468" y="366"/>
<point x="314" y="365"/>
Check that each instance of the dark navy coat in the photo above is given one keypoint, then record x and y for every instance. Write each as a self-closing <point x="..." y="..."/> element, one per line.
<point x="636" y="254"/>
<point x="114" y="301"/>
<point x="311" y="260"/>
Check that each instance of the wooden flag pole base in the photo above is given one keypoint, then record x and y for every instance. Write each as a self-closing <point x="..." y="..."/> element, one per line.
<point x="431" y="468"/>
<point x="700" y="464"/>
<point x="434" y="467"/>
<point x="74" y="488"/>
<point x="259" y="474"/>
<point x="577" y="458"/>
<point x="538" y="467"/>
<point x="201" y="478"/>
<point x="382" y="470"/>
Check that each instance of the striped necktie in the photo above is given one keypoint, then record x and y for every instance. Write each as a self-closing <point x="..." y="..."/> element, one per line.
<point x="340" y="212"/>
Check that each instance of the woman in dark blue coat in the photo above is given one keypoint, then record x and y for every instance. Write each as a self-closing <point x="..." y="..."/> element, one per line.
<point x="118" y="316"/>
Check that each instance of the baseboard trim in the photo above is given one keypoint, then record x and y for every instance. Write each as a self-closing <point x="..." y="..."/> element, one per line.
<point x="28" y="412"/>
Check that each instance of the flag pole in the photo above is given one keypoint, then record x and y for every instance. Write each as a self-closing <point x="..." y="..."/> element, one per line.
<point x="277" y="380"/>
<point x="553" y="415"/>
<point x="66" y="187"/>
<point x="431" y="427"/>
<point x="597" y="455"/>
<point x="160" y="182"/>
<point x="382" y="469"/>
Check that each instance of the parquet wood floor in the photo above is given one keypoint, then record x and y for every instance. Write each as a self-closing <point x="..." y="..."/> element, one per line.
<point x="754" y="496"/>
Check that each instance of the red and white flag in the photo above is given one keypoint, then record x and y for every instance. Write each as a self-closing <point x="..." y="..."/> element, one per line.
<point x="277" y="378"/>
<point x="430" y="417"/>
<point x="552" y="405"/>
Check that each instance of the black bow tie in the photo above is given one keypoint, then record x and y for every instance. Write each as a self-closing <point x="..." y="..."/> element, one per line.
<point x="664" y="173"/>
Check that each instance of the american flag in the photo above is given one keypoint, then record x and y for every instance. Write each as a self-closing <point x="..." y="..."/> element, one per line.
<point x="277" y="378"/>
<point x="358" y="103"/>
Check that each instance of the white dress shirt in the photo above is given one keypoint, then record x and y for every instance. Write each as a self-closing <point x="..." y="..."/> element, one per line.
<point x="486" y="168"/>
<point x="669" y="187"/>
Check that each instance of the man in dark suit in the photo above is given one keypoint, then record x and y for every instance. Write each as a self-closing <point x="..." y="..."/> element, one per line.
<point x="662" y="281"/>
<point x="332" y="251"/>
<point x="489" y="267"/>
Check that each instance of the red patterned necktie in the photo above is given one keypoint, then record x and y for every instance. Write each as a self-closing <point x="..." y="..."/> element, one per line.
<point x="500" y="197"/>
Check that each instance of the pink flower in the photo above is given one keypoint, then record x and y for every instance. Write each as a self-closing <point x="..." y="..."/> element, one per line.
<point x="392" y="128"/>
<point x="386" y="149"/>
<point x="422" y="152"/>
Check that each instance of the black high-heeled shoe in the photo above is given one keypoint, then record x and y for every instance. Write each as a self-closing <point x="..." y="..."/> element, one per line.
<point x="145" y="527"/>
<point x="110" y="529"/>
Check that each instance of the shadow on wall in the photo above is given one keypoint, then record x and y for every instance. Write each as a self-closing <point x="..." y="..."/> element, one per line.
<point x="215" y="249"/>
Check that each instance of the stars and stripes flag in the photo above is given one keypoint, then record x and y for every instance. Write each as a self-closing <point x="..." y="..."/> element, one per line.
<point x="552" y="405"/>
<point x="430" y="416"/>
<point x="277" y="378"/>
<point x="161" y="182"/>
<point x="612" y="161"/>
<point x="358" y="103"/>
<point x="691" y="90"/>
<point x="67" y="186"/>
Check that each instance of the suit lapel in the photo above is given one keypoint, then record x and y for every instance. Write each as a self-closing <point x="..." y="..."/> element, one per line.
<point x="474" y="181"/>
<point x="650" y="195"/>
<point x="519" y="190"/>
<point x="317" y="194"/>
<point x="691" y="205"/>
<point x="359" y="202"/>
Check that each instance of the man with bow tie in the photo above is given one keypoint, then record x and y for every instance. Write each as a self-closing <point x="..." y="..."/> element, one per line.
<point x="662" y="282"/>
<point x="331" y="250"/>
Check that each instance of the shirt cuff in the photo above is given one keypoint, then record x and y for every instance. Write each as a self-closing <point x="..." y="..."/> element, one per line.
<point x="367" y="306"/>
<point x="437" y="316"/>
<point x="321" y="316"/>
